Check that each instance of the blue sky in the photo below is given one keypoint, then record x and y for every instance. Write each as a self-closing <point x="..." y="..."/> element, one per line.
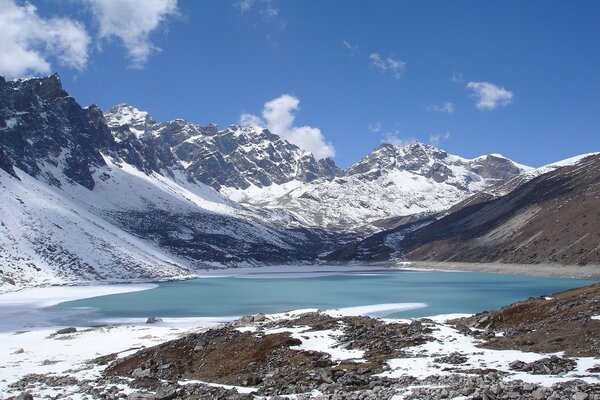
<point x="518" y="78"/>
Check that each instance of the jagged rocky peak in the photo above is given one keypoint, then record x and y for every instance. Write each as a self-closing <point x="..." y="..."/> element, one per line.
<point x="239" y="157"/>
<point x="414" y="157"/>
<point x="432" y="162"/>
<point x="48" y="88"/>
<point x="236" y="157"/>
<point x="126" y="117"/>
<point x="46" y="133"/>
<point x="496" y="166"/>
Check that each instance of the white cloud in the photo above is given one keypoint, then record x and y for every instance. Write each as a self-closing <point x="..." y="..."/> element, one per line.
<point x="245" y="5"/>
<point x="394" y="66"/>
<point x="444" y="108"/>
<point x="375" y="127"/>
<point x="132" y="22"/>
<point x="278" y="116"/>
<point x="28" y="40"/>
<point x="457" y="77"/>
<point x="395" y="137"/>
<point x="352" y="49"/>
<point x="437" y="139"/>
<point x="269" y="11"/>
<point x="489" y="96"/>
<point x="251" y="119"/>
<point x="263" y="7"/>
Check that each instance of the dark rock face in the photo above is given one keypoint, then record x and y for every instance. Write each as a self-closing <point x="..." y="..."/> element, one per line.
<point x="238" y="157"/>
<point x="218" y="238"/>
<point x="235" y="157"/>
<point x="41" y="123"/>
<point x="495" y="167"/>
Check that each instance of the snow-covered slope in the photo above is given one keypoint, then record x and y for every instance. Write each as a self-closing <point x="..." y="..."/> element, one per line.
<point x="391" y="181"/>
<point x="80" y="202"/>
<point x="47" y="238"/>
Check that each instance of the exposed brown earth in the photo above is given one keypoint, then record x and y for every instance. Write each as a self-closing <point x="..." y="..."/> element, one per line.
<point x="219" y="355"/>
<point x="560" y="322"/>
<point x="229" y="356"/>
<point x="554" y="218"/>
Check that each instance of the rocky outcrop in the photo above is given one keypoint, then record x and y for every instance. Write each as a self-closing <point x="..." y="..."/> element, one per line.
<point x="42" y="124"/>
<point x="553" y="365"/>
<point x="269" y="361"/>
<point x="235" y="157"/>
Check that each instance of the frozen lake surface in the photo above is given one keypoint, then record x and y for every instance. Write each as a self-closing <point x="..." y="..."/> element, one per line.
<point x="384" y="292"/>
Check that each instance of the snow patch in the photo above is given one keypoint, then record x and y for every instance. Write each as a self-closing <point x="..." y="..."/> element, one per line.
<point x="375" y="310"/>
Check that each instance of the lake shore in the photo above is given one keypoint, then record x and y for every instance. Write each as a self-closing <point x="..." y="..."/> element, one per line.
<point x="415" y="358"/>
<point x="548" y="270"/>
<point x="291" y="271"/>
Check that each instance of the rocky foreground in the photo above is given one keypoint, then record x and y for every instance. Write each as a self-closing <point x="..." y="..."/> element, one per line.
<point x="542" y="348"/>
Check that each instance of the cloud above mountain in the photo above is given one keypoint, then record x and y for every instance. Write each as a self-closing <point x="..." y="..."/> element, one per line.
<point x="489" y="96"/>
<point x="28" y="41"/>
<point x="132" y="22"/>
<point x="278" y="116"/>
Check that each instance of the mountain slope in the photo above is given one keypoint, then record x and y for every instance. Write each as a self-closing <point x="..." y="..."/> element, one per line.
<point x="257" y="168"/>
<point x="391" y="181"/>
<point x="81" y="202"/>
<point x="47" y="238"/>
<point x="551" y="218"/>
<point x="118" y="195"/>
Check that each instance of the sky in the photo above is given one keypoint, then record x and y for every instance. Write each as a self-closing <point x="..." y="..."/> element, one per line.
<point x="338" y="78"/>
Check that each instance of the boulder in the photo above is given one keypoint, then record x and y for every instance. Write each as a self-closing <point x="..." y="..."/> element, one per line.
<point x="65" y="331"/>
<point x="153" y="320"/>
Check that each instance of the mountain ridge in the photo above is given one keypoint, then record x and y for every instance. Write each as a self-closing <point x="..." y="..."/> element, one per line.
<point x="192" y="196"/>
<point x="548" y="216"/>
<point x="78" y="204"/>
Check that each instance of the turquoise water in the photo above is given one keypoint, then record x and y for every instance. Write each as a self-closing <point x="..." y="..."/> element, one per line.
<point x="443" y="292"/>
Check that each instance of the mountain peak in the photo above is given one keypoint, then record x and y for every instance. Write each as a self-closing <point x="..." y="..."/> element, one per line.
<point x="47" y="87"/>
<point x="127" y="115"/>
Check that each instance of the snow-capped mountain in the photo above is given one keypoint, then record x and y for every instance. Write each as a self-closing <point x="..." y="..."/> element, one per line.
<point x="512" y="221"/>
<point x="232" y="158"/>
<point x="389" y="182"/>
<point x="118" y="195"/>
<point x="80" y="201"/>
<point x="255" y="167"/>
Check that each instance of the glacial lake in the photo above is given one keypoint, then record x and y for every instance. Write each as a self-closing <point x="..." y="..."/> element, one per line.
<point x="440" y="293"/>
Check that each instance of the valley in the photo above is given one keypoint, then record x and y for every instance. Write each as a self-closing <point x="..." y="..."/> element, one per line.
<point x="150" y="200"/>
